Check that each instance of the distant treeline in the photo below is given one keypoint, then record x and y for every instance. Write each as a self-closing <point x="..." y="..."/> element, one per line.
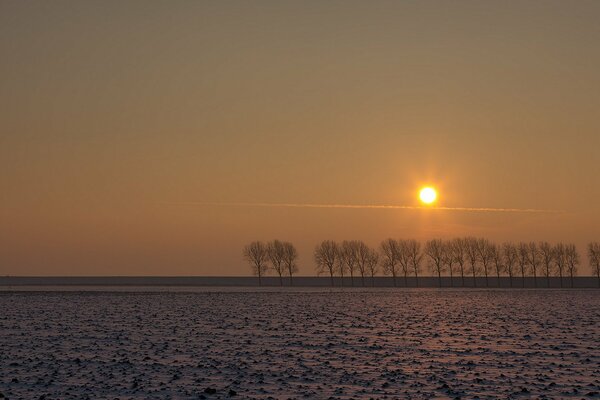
<point x="460" y="259"/>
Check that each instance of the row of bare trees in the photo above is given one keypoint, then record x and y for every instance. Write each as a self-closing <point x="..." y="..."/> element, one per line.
<point x="281" y="257"/>
<point x="459" y="258"/>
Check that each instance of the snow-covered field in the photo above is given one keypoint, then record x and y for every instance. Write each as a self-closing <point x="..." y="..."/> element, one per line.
<point x="300" y="344"/>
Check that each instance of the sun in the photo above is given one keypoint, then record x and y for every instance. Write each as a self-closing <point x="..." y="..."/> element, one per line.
<point x="428" y="195"/>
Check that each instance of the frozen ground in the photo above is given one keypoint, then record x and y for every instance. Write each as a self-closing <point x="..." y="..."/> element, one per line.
<point x="295" y="344"/>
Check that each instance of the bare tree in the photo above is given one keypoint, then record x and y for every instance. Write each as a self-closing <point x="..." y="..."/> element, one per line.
<point x="498" y="261"/>
<point x="257" y="254"/>
<point x="485" y="256"/>
<point x="435" y="251"/>
<point x="290" y="256"/>
<point x="403" y="258"/>
<point x="275" y="252"/>
<point x="594" y="256"/>
<point x="348" y="257"/>
<point x="560" y="260"/>
<point x="547" y="257"/>
<point x="326" y="258"/>
<point x="372" y="262"/>
<point x="572" y="257"/>
<point x="458" y="246"/>
<point x="523" y="259"/>
<point x="448" y="259"/>
<point x="389" y="258"/>
<point x="414" y="256"/>
<point x="472" y="256"/>
<point x="362" y="258"/>
<point x="534" y="260"/>
<point x="509" y="251"/>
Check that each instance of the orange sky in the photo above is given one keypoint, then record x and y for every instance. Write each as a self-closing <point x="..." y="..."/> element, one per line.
<point x="115" y="115"/>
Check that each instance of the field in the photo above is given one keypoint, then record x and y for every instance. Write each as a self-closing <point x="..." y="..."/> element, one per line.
<point x="302" y="343"/>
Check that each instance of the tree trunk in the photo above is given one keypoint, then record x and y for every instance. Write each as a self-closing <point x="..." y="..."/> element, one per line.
<point x="510" y="279"/>
<point x="523" y="278"/>
<point x="486" y="278"/>
<point x="372" y="280"/>
<point x="405" y="279"/>
<point x="474" y="281"/>
<point x="439" y="278"/>
<point x="363" y="279"/>
<point x="534" y="279"/>
<point x="394" y="275"/>
<point x="280" y="280"/>
<point x="462" y="277"/>
<point x="561" y="279"/>
<point x="571" y="280"/>
<point x="416" y="279"/>
<point x="352" y="277"/>
<point x="291" y="282"/>
<point x="331" y="278"/>
<point x="498" y="281"/>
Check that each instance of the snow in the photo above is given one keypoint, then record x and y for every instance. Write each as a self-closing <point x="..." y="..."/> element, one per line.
<point x="316" y="343"/>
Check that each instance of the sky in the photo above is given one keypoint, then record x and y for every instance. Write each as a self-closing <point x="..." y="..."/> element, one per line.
<point x="127" y="129"/>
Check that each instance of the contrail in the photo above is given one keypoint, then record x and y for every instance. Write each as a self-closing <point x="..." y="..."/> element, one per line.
<point x="370" y="206"/>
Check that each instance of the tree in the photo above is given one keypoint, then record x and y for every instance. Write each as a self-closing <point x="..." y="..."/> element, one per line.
<point x="290" y="256"/>
<point x="256" y="253"/>
<point x="572" y="258"/>
<point x="372" y="262"/>
<point x="326" y="257"/>
<point x="363" y="253"/>
<point x="414" y="256"/>
<point x="460" y="257"/>
<point x="523" y="259"/>
<point x="472" y="255"/>
<point x="483" y="247"/>
<point x="275" y="252"/>
<point x="403" y="258"/>
<point x="534" y="260"/>
<point x="348" y="257"/>
<point x="547" y="256"/>
<point x="509" y="251"/>
<point x="594" y="256"/>
<point x="560" y="260"/>
<point x="435" y="251"/>
<point x="498" y="260"/>
<point x="448" y="260"/>
<point x="389" y="257"/>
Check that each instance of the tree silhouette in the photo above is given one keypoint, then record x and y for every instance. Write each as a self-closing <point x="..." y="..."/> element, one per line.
<point x="403" y="258"/>
<point x="560" y="260"/>
<point x="594" y="257"/>
<point x="472" y="255"/>
<point x="485" y="256"/>
<point x="290" y="256"/>
<point x="275" y="252"/>
<point x="509" y="253"/>
<point x="448" y="260"/>
<point x="523" y="259"/>
<point x="534" y="259"/>
<point x="363" y="253"/>
<point x="256" y="253"/>
<point x="372" y="262"/>
<point x="572" y="258"/>
<point x="435" y="251"/>
<point x="498" y="260"/>
<point x="390" y="257"/>
<point x="348" y="257"/>
<point x="326" y="258"/>
<point x="415" y="256"/>
<point x="547" y="256"/>
<point x="458" y="246"/>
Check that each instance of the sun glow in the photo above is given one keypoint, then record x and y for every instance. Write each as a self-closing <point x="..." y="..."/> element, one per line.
<point x="428" y="195"/>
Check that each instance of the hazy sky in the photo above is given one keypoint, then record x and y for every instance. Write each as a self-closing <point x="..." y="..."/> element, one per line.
<point x="115" y="117"/>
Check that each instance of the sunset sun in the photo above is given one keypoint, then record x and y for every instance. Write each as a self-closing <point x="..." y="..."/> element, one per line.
<point x="428" y="195"/>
